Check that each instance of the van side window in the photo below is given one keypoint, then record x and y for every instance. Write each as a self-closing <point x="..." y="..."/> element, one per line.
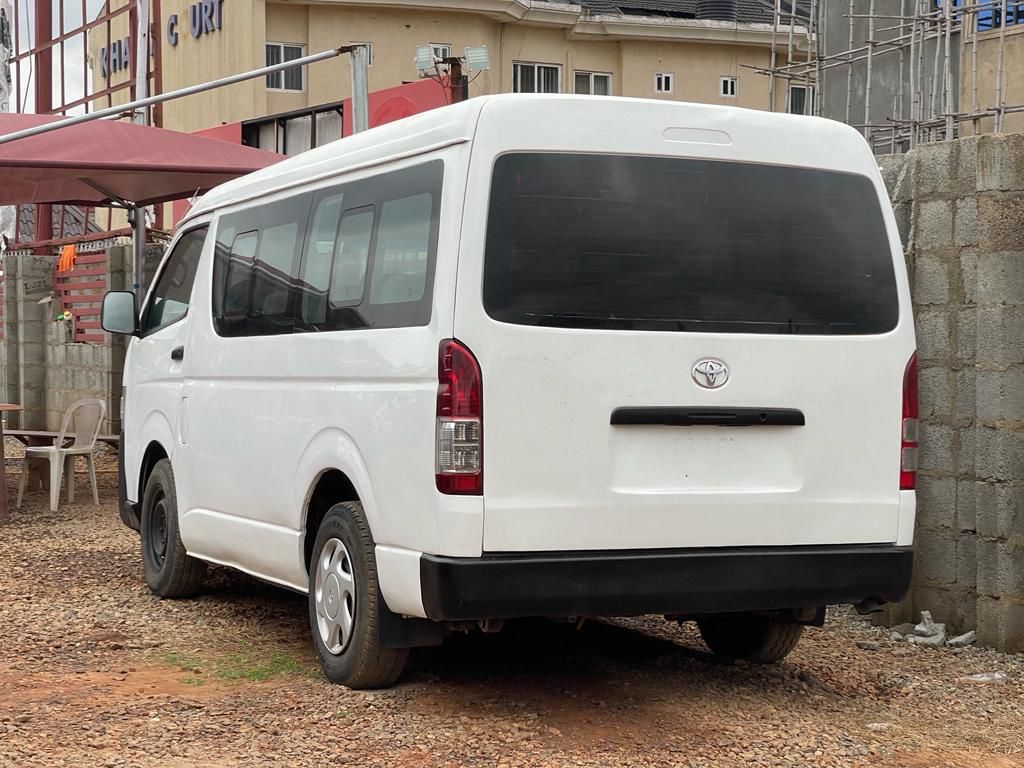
<point x="256" y="271"/>
<point x="173" y="290"/>
<point x="403" y="243"/>
<point x="350" y="257"/>
<point x="382" y="269"/>
<point x="358" y="255"/>
<point x="316" y="268"/>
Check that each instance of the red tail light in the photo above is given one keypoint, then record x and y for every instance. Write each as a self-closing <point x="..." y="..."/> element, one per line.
<point x="460" y="428"/>
<point x="909" y="428"/>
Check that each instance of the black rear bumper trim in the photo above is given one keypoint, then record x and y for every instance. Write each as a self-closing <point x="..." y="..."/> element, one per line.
<point x="679" y="581"/>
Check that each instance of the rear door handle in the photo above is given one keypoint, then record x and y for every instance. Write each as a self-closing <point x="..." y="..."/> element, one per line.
<point x="178" y="353"/>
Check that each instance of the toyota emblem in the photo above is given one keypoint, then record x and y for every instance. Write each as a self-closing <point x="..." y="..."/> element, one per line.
<point x="710" y="373"/>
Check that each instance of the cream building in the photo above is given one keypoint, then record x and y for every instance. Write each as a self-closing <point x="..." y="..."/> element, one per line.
<point x="687" y="50"/>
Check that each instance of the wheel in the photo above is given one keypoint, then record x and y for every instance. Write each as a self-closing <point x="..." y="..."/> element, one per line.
<point x="169" y="571"/>
<point x="760" y="639"/>
<point x="343" y="603"/>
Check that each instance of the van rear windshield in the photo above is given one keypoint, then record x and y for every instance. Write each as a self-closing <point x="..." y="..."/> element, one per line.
<point x="667" y="244"/>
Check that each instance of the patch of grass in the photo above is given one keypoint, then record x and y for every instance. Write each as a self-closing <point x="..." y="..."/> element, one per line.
<point x="254" y="667"/>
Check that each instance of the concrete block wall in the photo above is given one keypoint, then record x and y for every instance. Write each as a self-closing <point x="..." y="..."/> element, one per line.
<point x="42" y="369"/>
<point x="960" y="208"/>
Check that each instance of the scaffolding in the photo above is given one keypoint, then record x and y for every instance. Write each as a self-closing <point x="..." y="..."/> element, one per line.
<point x="919" y="42"/>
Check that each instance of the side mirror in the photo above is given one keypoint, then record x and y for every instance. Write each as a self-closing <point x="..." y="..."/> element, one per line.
<point x="118" y="313"/>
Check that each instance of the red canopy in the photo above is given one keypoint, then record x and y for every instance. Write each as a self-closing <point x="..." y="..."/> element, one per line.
<point x="106" y="161"/>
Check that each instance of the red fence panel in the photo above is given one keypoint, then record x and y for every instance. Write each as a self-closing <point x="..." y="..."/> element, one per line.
<point x="80" y="292"/>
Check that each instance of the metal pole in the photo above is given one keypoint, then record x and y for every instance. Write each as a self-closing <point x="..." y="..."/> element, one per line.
<point x="923" y="28"/>
<point x="947" y="74"/>
<point x="44" y="95"/>
<point x="360" y="61"/>
<point x="898" y="110"/>
<point x="849" y="69"/>
<point x="867" y="81"/>
<point x="974" y="70"/>
<point x="141" y="116"/>
<point x="819" y="85"/>
<point x="934" y="95"/>
<point x="775" y="31"/>
<point x="999" y="71"/>
<point x="913" y="81"/>
<point x="160" y="98"/>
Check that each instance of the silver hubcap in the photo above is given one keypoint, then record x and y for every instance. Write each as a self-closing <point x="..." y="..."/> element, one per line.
<point x="335" y="596"/>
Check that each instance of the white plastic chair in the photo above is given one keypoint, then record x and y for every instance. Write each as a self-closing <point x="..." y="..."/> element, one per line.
<point x="82" y="422"/>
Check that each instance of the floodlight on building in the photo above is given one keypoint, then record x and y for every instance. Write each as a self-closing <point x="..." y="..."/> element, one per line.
<point x="477" y="58"/>
<point x="425" y="61"/>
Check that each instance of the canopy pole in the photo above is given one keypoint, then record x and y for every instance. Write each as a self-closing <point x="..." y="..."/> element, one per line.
<point x="138" y="221"/>
<point x="162" y="97"/>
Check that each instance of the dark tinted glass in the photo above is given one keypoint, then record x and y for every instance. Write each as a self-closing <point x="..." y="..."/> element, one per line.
<point x="645" y="243"/>
<point x="359" y="255"/>
<point x="173" y="290"/>
<point x="256" y="288"/>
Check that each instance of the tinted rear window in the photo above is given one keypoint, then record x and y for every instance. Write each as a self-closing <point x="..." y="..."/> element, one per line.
<point x="646" y="243"/>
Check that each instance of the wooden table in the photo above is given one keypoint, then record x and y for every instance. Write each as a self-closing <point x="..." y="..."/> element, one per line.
<point x="4" y="407"/>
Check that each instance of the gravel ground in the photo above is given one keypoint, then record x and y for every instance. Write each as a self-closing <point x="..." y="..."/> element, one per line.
<point x="97" y="672"/>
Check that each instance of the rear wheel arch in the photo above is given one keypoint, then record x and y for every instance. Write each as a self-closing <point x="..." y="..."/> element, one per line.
<point x="332" y="486"/>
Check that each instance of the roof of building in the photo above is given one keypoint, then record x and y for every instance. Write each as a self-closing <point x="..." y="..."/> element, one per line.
<point x="747" y="11"/>
<point x="72" y="219"/>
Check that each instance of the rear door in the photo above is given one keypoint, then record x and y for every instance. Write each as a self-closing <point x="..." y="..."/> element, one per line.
<point x="680" y="352"/>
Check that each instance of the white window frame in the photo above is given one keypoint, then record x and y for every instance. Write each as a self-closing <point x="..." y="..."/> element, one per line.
<point x="517" y="68"/>
<point x="728" y="86"/>
<point x="659" y="82"/>
<point x="808" y="99"/>
<point x="441" y="51"/>
<point x="590" y="76"/>
<point x="280" y="73"/>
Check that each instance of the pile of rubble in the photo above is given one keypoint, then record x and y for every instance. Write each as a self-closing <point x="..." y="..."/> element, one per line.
<point x="930" y="634"/>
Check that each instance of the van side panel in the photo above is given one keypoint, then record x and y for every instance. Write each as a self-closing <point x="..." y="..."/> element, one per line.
<point x="270" y="414"/>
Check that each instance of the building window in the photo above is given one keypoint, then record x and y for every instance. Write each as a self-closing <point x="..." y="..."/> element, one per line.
<point x="727" y="87"/>
<point x="441" y="51"/>
<point x="990" y="15"/>
<point x="594" y="83"/>
<point x="800" y="100"/>
<point x="369" y="52"/>
<point x="293" y="132"/>
<point x="536" y="78"/>
<point x="285" y="79"/>
<point x="663" y="82"/>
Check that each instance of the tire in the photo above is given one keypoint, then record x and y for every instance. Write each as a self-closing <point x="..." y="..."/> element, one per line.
<point x="760" y="639"/>
<point x="343" y="583"/>
<point x="168" y="569"/>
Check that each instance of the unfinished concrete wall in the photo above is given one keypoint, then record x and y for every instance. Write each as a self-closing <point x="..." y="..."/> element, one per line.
<point x="43" y="370"/>
<point x="961" y="210"/>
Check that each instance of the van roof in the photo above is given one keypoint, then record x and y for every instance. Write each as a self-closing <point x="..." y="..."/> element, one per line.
<point x="808" y="141"/>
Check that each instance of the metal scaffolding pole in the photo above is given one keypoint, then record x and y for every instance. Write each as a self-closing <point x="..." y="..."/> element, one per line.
<point x="849" y="71"/>
<point x="775" y="32"/>
<point x="947" y="101"/>
<point x="867" y="79"/>
<point x="1000" y="91"/>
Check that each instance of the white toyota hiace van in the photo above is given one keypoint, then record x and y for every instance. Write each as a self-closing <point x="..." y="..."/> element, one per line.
<point x="543" y="356"/>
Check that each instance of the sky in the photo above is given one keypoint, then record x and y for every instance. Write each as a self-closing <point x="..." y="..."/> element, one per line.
<point x="75" y="78"/>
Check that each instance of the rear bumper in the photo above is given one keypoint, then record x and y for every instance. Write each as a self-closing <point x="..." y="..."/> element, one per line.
<point x="682" y="581"/>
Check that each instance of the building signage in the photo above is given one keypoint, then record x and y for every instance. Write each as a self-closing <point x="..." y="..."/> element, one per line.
<point x="204" y="17"/>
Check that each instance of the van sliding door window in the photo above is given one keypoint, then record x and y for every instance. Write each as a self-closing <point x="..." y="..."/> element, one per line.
<point x="173" y="291"/>
<point x="255" y="278"/>
<point x="663" y="244"/>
